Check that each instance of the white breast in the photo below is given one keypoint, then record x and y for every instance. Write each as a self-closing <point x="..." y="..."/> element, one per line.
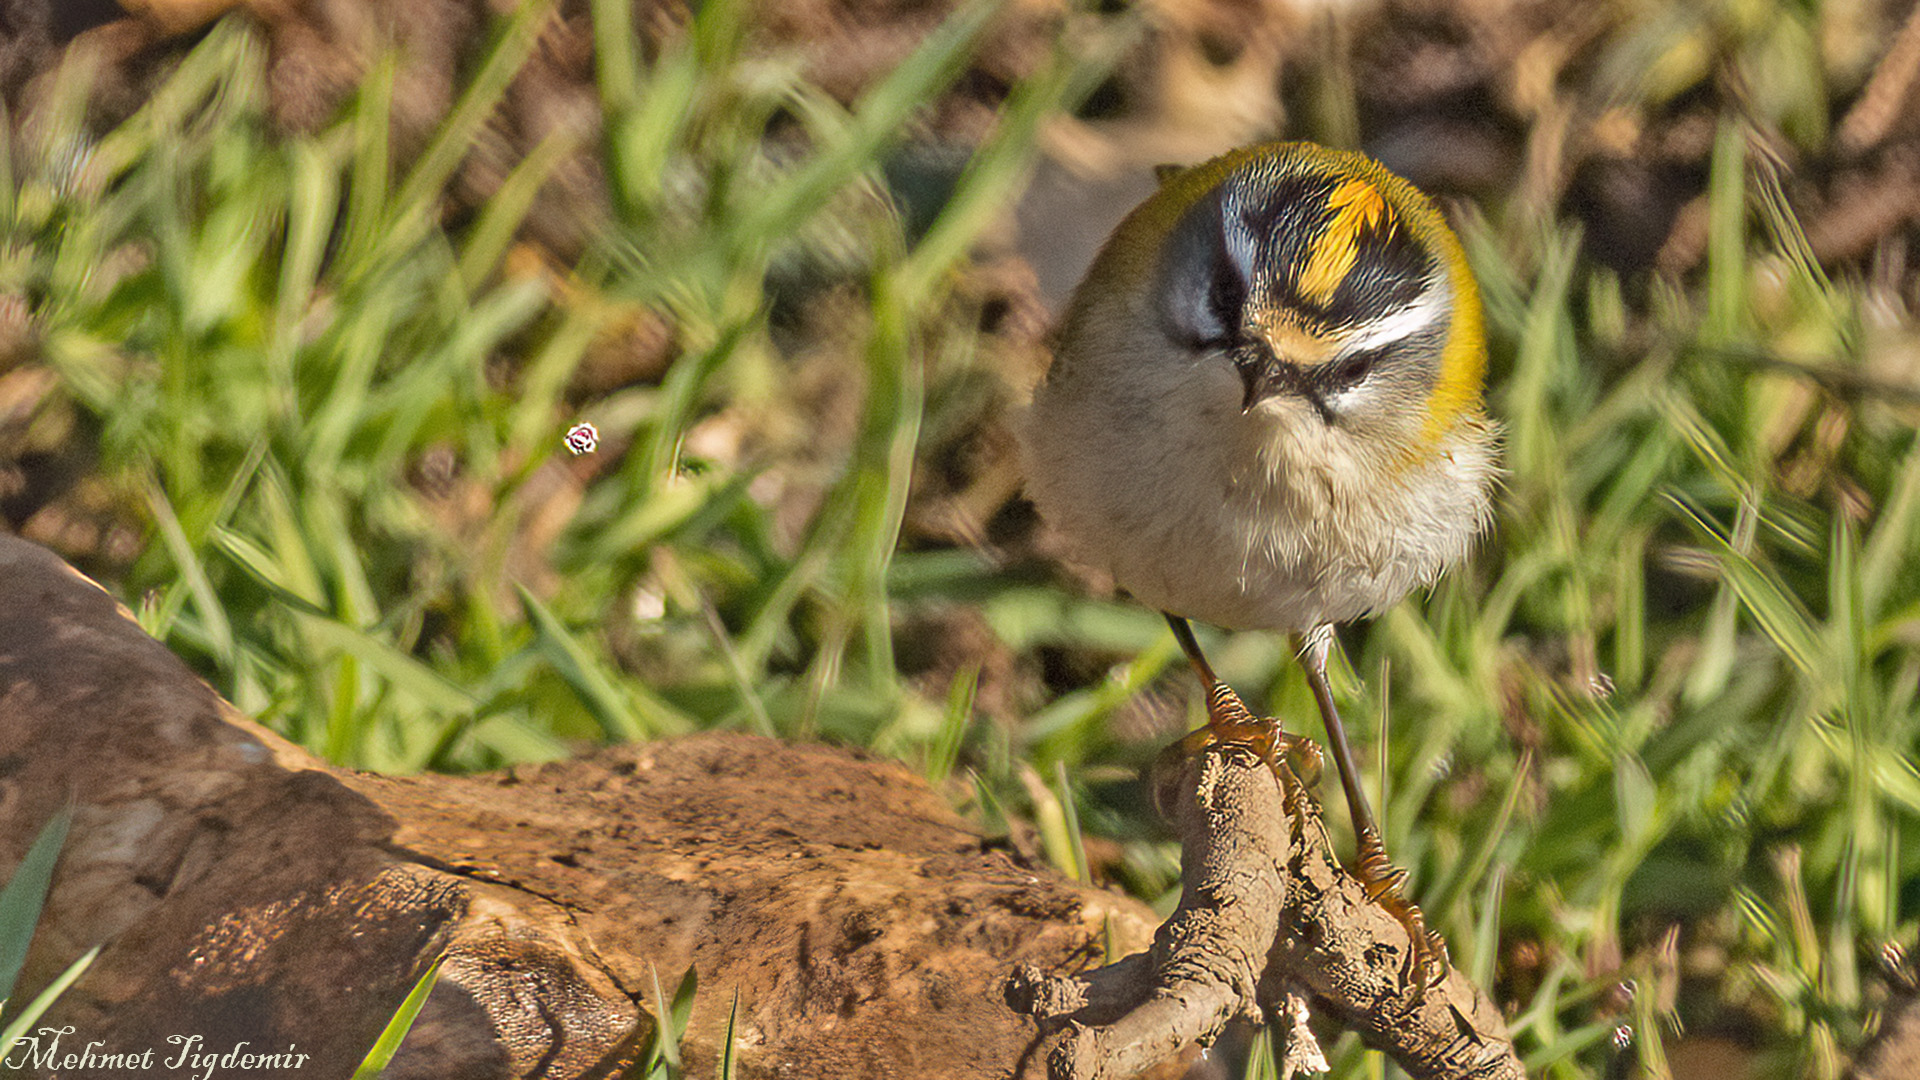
<point x="1268" y="519"/>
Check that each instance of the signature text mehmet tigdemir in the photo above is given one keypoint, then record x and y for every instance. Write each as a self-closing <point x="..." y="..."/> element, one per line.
<point x="188" y="1053"/>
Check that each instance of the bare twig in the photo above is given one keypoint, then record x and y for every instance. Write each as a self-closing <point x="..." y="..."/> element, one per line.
<point x="1881" y="103"/>
<point x="1265" y="911"/>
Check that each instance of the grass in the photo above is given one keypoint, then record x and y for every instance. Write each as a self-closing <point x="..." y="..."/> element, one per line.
<point x="397" y="1027"/>
<point x="21" y="900"/>
<point x="1660" y="733"/>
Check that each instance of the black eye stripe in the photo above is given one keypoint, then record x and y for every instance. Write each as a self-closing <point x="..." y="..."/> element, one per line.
<point x="1337" y="376"/>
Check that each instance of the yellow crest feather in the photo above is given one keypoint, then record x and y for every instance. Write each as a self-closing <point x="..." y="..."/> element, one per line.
<point x="1357" y="206"/>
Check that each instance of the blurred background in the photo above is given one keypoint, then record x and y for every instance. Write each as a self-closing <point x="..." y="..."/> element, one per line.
<point x="299" y="297"/>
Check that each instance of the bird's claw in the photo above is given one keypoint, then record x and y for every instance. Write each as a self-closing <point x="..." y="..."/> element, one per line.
<point x="1427" y="963"/>
<point x="1295" y="760"/>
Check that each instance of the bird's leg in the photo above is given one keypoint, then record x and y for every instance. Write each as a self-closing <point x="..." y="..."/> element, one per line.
<point x="1380" y="877"/>
<point x="1295" y="759"/>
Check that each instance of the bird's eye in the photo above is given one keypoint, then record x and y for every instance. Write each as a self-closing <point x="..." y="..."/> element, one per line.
<point x="1349" y="371"/>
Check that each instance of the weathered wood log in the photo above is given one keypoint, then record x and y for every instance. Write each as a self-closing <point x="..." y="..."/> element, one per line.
<point x="1893" y="1053"/>
<point x="1267" y="920"/>
<point x="247" y="893"/>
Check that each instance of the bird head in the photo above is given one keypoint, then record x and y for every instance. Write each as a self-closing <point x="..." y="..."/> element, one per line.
<point x="1333" y="287"/>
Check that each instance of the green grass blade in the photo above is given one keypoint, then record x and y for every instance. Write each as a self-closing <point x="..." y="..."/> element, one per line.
<point x="616" y="56"/>
<point x="224" y="63"/>
<point x="26" y="893"/>
<point x="879" y="481"/>
<point x="9" y="194"/>
<point x="369" y="190"/>
<point x="1630" y="613"/>
<point x="1726" y="314"/>
<point x="880" y="120"/>
<point x="1486" y="929"/>
<point x="16" y="1031"/>
<point x="744" y="688"/>
<point x="1780" y="615"/>
<point x="312" y="205"/>
<point x="326" y="512"/>
<point x="671" y="1022"/>
<point x="1541" y="360"/>
<point x="728" y="1064"/>
<point x="291" y="562"/>
<point x="544" y="378"/>
<point x="954" y="721"/>
<point x="1076" y="840"/>
<point x="995" y="173"/>
<point x="644" y="124"/>
<point x="397" y="1027"/>
<point x="207" y="602"/>
<point x="1889" y="546"/>
<point x="1469" y="873"/>
<point x="493" y="233"/>
<point x="260" y="565"/>
<point x="408" y="675"/>
<point x="478" y="101"/>
<point x="634" y="716"/>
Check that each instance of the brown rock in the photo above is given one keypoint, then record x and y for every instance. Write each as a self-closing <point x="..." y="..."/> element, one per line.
<point x="244" y="891"/>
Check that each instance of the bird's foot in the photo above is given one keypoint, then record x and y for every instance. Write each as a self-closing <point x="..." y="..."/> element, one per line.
<point x="1296" y="761"/>
<point x="1428" y="962"/>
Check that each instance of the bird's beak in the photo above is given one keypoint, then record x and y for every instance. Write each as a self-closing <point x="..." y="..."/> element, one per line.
<point x="1261" y="374"/>
<point x="1265" y="375"/>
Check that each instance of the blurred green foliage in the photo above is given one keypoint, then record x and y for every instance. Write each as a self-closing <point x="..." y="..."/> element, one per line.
<point x="1674" y="690"/>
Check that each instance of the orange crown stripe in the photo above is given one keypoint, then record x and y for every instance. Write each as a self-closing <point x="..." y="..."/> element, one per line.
<point x="1356" y="206"/>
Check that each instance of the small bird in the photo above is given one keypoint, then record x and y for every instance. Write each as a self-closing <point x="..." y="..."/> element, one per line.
<point x="1265" y="412"/>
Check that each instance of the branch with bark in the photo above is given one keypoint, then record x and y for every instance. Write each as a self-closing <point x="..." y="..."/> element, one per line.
<point x="1269" y="925"/>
